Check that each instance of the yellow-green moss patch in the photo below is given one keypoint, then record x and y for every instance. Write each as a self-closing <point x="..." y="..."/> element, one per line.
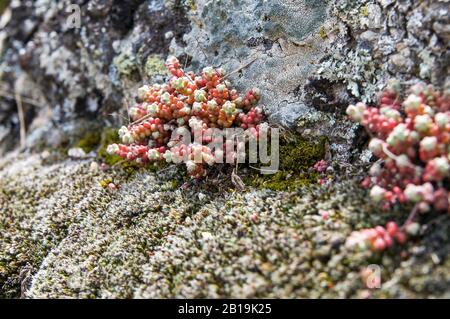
<point x="297" y="155"/>
<point x="89" y="141"/>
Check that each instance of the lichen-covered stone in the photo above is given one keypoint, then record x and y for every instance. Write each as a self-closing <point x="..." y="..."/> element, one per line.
<point x="308" y="56"/>
<point x="84" y="72"/>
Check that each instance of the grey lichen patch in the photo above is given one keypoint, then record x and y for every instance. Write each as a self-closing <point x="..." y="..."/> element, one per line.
<point x="372" y="41"/>
<point x="295" y="20"/>
<point x="125" y="64"/>
<point x="358" y="73"/>
<point x="273" y="35"/>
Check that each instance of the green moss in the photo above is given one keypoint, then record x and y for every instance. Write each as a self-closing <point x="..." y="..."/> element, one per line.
<point x="297" y="155"/>
<point x="281" y="181"/>
<point x="108" y="136"/>
<point x="89" y="141"/>
<point x="3" y="5"/>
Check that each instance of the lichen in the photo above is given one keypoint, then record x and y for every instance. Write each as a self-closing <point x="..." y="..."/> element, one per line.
<point x="125" y="64"/>
<point x="323" y="32"/>
<point x="359" y="72"/>
<point x="155" y="66"/>
<point x="364" y="11"/>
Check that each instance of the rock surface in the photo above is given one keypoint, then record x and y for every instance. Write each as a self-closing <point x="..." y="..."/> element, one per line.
<point x="310" y="58"/>
<point x="65" y="235"/>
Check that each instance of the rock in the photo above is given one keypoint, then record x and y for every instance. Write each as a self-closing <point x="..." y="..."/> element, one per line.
<point x="386" y="3"/>
<point x="76" y="152"/>
<point x="304" y="61"/>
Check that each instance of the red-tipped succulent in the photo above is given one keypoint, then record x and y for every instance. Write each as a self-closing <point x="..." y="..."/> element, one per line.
<point x="196" y="103"/>
<point x="411" y="139"/>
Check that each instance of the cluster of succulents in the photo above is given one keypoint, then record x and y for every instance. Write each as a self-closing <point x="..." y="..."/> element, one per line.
<point x="411" y="139"/>
<point x="321" y="166"/>
<point x="187" y="103"/>
<point x="377" y="238"/>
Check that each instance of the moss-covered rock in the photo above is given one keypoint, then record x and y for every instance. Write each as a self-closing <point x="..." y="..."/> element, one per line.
<point x="64" y="235"/>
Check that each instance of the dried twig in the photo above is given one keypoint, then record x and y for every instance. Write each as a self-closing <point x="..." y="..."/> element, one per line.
<point x="237" y="181"/>
<point x="26" y="100"/>
<point x="268" y="171"/>
<point x="141" y="119"/>
<point x="128" y="109"/>
<point x="21" y="120"/>
<point x="240" y="68"/>
<point x="411" y="216"/>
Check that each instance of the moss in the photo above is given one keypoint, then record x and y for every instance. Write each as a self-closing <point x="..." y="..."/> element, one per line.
<point x="281" y="181"/>
<point x="89" y="141"/>
<point x="108" y="136"/>
<point x="297" y="155"/>
<point x="3" y="5"/>
<point x="24" y="247"/>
